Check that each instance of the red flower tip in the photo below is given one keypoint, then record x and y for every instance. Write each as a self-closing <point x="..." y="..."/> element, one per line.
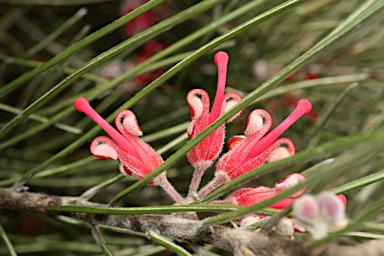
<point x="304" y="106"/>
<point x="221" y="59"/>
<point x="81" y="104"/>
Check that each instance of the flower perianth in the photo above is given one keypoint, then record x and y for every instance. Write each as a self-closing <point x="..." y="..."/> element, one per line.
<point x="252" y="150"/>
<point x="250" y="196"/>
<point x="206" y="152"/>
<point x="135" y="156"/>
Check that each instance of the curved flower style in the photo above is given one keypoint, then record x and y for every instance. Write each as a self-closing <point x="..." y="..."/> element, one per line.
<point x="135" y="156"/>
<point x="206" y="152"/>
<point x="252" y="150"/>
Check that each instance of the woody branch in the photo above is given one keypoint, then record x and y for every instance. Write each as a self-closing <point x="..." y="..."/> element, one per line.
<point x="238" y="241"/>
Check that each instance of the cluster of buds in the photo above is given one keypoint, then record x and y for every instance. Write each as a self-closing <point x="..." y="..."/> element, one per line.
<point x="246" y="152"/>
<point x="322" y="214"/>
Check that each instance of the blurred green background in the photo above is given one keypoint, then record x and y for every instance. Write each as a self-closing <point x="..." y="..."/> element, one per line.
<point x="344" y="82"/>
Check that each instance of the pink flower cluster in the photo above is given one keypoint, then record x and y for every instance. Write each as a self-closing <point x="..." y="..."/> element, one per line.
<point x="246" y="152"/>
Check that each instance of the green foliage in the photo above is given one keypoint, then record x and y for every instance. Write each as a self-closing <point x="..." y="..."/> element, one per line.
<point x="53" y="54"/>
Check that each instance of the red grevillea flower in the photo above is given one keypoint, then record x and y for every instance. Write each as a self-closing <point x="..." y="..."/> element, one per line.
<point x="135" y="156"/>
<point x="253" y="150"/>
<point x="207" y="151"/>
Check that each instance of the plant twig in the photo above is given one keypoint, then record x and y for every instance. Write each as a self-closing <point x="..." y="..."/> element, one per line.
<point x="176" y="226"/>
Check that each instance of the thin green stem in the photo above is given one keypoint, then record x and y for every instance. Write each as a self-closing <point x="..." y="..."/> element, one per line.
<point x="374" y="226"/>
<point x="41" y="119"/>
<point x="100" y="240"/>
<point x="173" y="143"/>
<point x="359" y="183"/>
<point x="55" y="34"/>
<point x="131" y="42"/>
<point x="35" y="129"/>
<point x="312" y="83"/>
<point x="364" y="235"/>
<point x="327" y="114"/>
<point x="7" y="242"/>
<point x="146" y="209"/>
<point x="34" y="64"/>
<point x="166" y="132"/>
<point x="88" y="194"/>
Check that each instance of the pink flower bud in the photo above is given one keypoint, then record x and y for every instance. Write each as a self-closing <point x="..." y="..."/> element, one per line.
<point x="306" y="209"/>
<point x="320" y="214"/>
<point x="332" y="209"/>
